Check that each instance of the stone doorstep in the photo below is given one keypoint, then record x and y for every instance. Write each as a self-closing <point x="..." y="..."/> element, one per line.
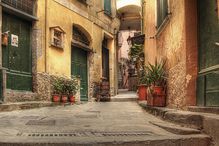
<point x="176" y="129"/>
<point x="213" y="110"/>
<point x="117" y="99"/>
<point x="207" y="123"/>
<point x="5" y="107"/>
<point x="183" y="118"/>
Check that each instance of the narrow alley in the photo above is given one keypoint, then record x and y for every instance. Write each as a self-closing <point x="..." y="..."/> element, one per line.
<point x="105" y="123"/>
<point x="109" y="72"/>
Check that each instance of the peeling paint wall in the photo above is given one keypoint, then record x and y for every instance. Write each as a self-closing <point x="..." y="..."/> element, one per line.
<point x="66" y="13"/>
<point x="173" y="43"/>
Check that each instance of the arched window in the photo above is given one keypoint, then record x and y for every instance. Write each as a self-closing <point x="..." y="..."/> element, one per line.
<point x="79" y="36"/>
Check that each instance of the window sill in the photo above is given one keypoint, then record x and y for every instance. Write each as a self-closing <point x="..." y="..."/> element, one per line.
<point x="109" y="15"/>
<point x="163" y="25"/>
<point x="59" y="47"/>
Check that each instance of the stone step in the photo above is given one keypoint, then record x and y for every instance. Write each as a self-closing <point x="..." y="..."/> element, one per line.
<point x="213" y="110"/>
<point x="118" y="99"/>
<point x="5" y="107"/>
<point x="176" y="129"/>
<point x="207" y="123"/>
<point x="175" y="140"/>
<point x="125" y="96"/>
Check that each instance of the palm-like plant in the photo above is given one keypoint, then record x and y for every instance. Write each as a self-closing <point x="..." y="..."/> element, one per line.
<point x="156" y="73"/>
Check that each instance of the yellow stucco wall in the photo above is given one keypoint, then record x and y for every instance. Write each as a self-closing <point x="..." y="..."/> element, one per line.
<point x="168" y="43"/>
<point x="56" y="61"/>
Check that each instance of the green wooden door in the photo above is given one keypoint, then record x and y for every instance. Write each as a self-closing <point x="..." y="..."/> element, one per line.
<point x="208" y="80"/>
<point x="17" y="58"/>
<point x="105" y="63"/>
<point x="79" y="68"/>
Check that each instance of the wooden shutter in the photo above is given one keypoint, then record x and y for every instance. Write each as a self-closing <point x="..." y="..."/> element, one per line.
<point x="162" y="11"/>
<point x="107" y="7"/>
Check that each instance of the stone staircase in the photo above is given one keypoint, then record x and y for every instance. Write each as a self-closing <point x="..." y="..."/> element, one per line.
<point x="125" y="96"/>
<point x="195" y="120"/>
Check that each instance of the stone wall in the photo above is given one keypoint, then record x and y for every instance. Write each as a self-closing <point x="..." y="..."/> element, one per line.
<point x="42" y="90"/>
<point x="171" y="47"/>
<point x="175" y="42"/>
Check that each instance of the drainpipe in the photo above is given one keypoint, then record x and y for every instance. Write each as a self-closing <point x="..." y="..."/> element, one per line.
<point x="46" y="24"/>
<point x="142" y="16"/>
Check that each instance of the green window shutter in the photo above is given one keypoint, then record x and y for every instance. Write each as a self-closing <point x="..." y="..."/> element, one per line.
<point x="107" y="7"/>
<point x="162" y="11"/>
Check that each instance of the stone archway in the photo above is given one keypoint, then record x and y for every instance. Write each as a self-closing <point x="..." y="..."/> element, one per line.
<point x="131" y="26"/>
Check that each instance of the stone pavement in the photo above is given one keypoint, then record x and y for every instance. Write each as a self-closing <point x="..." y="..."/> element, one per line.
<point x="110" y="123"/>
<point x="124" y="96"/>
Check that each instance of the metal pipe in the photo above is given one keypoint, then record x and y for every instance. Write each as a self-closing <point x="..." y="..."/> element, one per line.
<point x="46" y="24"/>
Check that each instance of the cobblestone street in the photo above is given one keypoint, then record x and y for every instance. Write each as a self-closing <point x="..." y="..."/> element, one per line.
<point x="109" y="123"/>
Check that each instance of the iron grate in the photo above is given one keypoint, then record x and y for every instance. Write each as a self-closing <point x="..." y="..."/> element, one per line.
<point x="88" y="134"/>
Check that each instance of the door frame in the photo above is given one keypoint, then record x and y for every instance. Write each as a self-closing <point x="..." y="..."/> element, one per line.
<point x="4" y="93"/>
<point x="203" y="73"/>
<point x="30" y="51"/>
<point x="88" y="71"/>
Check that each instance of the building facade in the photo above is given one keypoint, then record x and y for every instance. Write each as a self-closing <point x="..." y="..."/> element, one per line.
<point x="62" y="38"/>
<point x="185" y="34"/>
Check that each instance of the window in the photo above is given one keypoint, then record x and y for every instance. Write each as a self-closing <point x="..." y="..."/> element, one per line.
<point x="162" y="11"/>
<point x="107" y="7"/>
<point x="26" y="6"/>
<point x="57" y="37"/>
<point x="79" y="36"/>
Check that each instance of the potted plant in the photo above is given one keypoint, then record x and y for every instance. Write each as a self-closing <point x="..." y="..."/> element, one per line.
<point x="157" y="77"/>
<point x="64" y="97"/>
<point x="72" y="87"/>
<point x="57" y="90"/>
<point x="137" y="57"/>
<point x="144" y="83"/>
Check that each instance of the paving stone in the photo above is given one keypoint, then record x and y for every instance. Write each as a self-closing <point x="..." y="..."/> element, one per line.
<point x="108" y="123"/>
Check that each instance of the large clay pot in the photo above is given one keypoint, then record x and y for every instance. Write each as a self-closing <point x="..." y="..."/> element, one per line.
<point x="158" y="90"/>
<point x="157" y="97"/>
<point x="56" y="98"/>
<point x="142" y="92"/>
<point x="64" y="98"/>
<point x="72" y="98"/>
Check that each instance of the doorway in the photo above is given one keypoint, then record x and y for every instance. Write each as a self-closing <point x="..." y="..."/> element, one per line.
<point x="208" y="79"/>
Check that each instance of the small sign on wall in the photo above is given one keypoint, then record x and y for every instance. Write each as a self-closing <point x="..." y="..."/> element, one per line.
<point x="14" y="40"/>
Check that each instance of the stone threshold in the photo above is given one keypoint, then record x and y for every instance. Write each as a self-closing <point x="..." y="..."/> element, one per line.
<point x="207" y="123"/>
<point x="6" y="107"/>
<point x="213" y="110"/>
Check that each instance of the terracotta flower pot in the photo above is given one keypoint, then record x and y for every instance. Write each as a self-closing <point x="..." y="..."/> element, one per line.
<point x="158" y="90"/>
<point x="64" y="98"/>
<point x="56" y="98"/>
<point x="72" y="98"/>
<point x="142" y="92"/>
<point x="157" y="97"/>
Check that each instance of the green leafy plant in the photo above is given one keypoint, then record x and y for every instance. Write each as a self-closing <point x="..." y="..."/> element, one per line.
<point x="137" y="57"/>
<point x="71" y="86"/>
<point x="136" y="54"/>
<point x="65" y="86"/>
<point x="144" y="77"/>
<point x="157" y="74"/>
<point x="57" y="86"/>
